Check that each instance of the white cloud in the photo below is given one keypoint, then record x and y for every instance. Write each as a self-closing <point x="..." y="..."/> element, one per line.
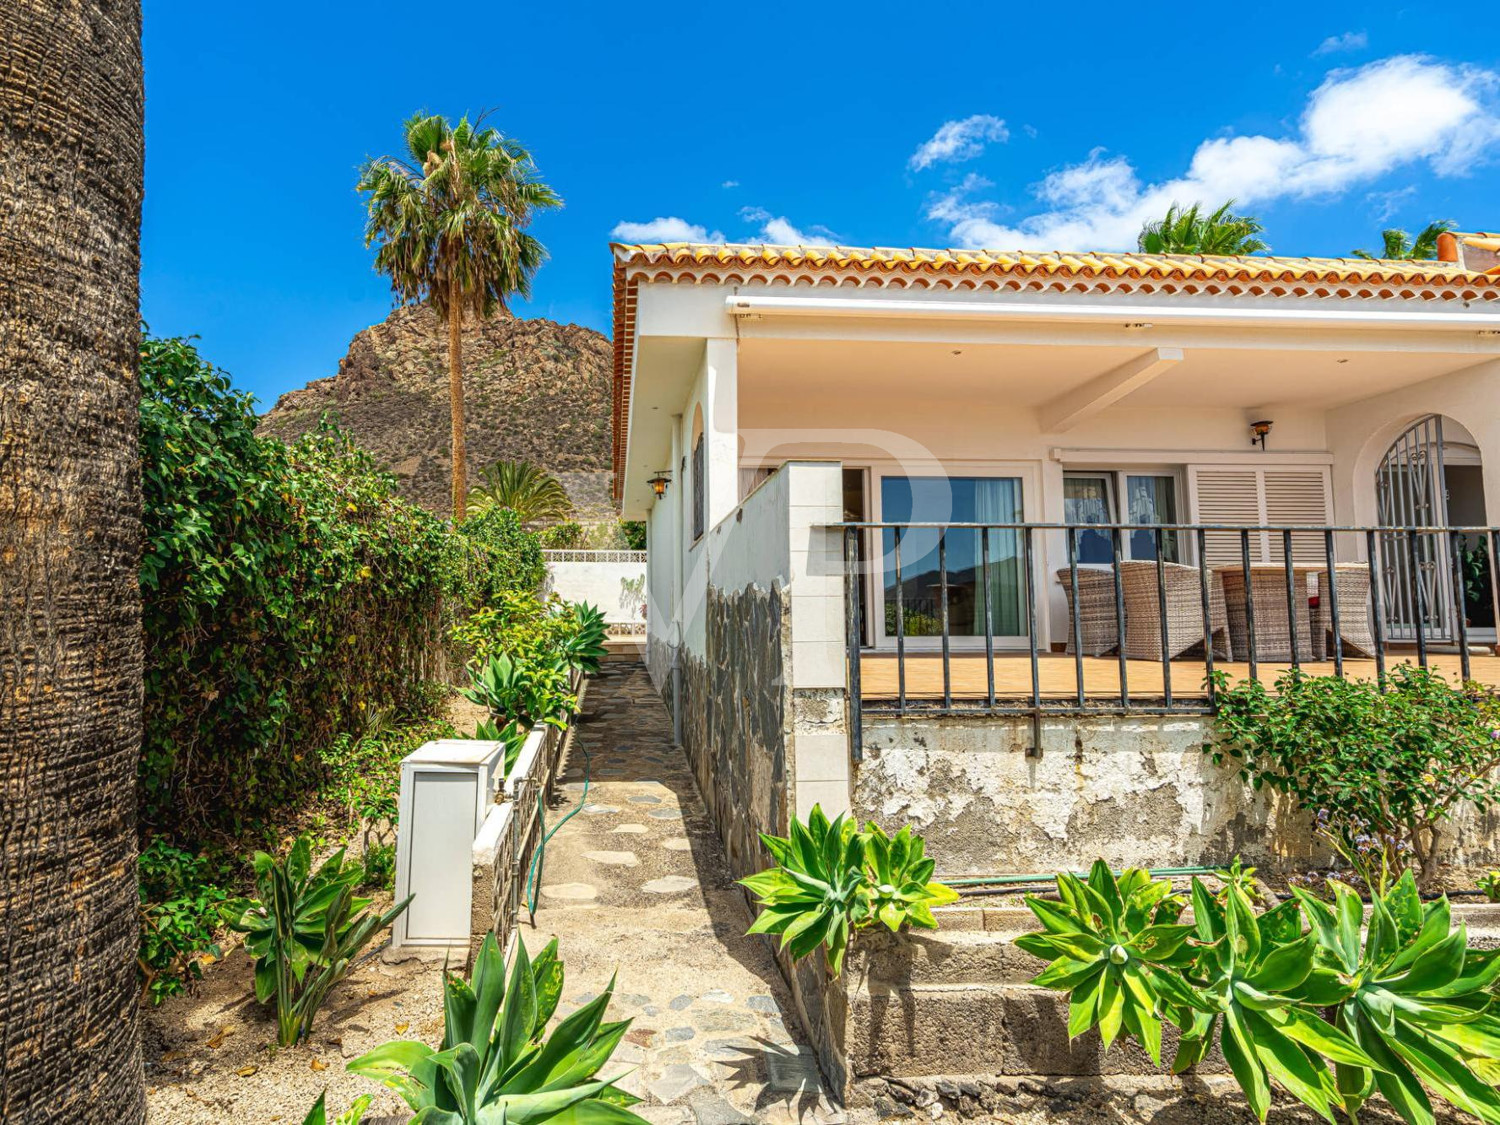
<point x="958" y="140"/>
<point x="1357" y="126"/>
<point x="730" y="184"/>
<point x="779" y="231"/>
<point x="1348" y="41"/>
<point x="666" y="229"/>
<point x="1384" y="204"/>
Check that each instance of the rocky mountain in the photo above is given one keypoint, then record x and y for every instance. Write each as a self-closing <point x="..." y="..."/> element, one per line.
<point x="534" y="390"/>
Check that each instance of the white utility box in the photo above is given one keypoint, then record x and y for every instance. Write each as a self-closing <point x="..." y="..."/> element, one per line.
<point x="447" y="788"/>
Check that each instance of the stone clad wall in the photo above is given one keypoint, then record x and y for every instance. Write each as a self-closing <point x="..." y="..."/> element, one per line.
<point x="735" y="720"/>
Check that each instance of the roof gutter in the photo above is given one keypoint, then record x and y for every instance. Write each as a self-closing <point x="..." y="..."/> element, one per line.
<point x="1124" y="316"/>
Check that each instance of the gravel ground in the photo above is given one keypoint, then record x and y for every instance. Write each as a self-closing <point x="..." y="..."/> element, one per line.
<point x="209" y="1055"/>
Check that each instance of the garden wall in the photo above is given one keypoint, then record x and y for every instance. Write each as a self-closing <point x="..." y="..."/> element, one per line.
<point x="1134" y="790"/>
<point x="613" y="581"/>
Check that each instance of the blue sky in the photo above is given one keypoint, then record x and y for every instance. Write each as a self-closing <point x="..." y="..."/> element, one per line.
<point x="936" y="124"/>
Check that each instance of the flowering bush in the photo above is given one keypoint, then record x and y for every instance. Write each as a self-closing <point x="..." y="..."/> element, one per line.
<point x="1382" y="771"/>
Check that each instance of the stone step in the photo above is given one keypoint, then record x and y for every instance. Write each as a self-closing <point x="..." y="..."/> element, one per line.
<point x="1006" y="1029"/>
<point x="949" y="957"/>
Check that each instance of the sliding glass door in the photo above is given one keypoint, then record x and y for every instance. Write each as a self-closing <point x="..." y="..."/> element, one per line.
<point x="950" y="500"/>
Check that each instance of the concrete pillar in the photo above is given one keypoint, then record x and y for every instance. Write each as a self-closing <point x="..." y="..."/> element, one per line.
<point x="818" y="680"/>
<point x="721" y="430"/>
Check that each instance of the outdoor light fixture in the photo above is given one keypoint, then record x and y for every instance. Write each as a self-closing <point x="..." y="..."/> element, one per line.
<point x="1258" y="432"/>
<point x="659" y="483"/>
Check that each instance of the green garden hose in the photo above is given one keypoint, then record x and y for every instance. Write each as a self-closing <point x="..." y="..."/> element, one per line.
<point x="541" y="847"/>
<point x="1007" y="880"/>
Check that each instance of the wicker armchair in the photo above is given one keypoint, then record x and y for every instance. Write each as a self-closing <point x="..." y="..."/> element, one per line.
<point x="1273" y="632"/>
<point x="1095" y="612"/>
<point x="1184" y="598"/>
<point x="1353" y="586"/>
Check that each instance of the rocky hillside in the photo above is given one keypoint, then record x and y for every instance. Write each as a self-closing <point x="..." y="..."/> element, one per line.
<point x="534" y="390"/>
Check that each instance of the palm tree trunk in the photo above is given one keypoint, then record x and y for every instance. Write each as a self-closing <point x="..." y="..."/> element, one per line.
<point x="71" y="108"/>
<point x="456" y="407"/>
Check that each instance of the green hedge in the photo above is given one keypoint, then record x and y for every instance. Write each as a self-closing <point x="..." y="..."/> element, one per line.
<point x="289" y="594"/>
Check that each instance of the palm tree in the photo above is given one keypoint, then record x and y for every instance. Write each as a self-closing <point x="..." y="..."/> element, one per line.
<point x="1188" y="231"/>
<point x="449" y="227"/>
<point x="1401" y="247"/>
<point x="526" y="489"/>
<point x="71" y="155"/>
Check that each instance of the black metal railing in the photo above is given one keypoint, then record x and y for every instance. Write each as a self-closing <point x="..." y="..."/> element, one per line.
<point x="1246" y="593"/>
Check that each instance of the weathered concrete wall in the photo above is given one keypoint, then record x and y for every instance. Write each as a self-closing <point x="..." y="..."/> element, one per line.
<point x="1137" y="791"/>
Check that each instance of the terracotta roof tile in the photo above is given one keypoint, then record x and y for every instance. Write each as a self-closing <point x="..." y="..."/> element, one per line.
<point x="1183" y="275"/>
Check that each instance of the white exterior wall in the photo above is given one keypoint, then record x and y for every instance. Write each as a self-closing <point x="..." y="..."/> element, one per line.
<point x="608" y="580"/>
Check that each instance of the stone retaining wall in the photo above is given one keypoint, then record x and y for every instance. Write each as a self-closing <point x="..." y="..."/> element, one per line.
<point x="1138" y="791"/>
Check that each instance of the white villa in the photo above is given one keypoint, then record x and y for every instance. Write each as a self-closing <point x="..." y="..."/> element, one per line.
<point x="952" y="539"/>
<point x="925" y="458"/>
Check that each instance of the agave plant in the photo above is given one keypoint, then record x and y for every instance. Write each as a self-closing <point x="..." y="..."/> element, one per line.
<point x="510" y="732"/>
<point x="817" y="894"/>
<point x="584" y="647"/>
<point x="1260" y="977"/>
<point x="900" y="875"/>
<point x="831" y="879"/>
<point x="304" y="930"/>
<point x="355" y="1114"/>
<point x="1419" y="1002"/>
<point x="527" y="689"/>
<point x="1104" y="939"/>
<point x="497" y="1065"/>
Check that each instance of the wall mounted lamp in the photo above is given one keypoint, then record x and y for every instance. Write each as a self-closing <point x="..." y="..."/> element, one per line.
<point x="659" y="483"/>
<point x="1258" y="432"/>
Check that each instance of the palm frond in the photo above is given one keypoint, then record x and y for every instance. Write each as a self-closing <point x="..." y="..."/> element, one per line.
<point x="1399" y="246"/>
<point x="1189" y="231"/>
<point x="534" y="494"/>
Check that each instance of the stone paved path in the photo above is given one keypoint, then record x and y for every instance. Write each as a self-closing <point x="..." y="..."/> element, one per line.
<point x="636" y="883"/>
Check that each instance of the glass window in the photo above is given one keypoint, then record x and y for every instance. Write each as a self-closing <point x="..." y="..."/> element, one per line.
<point x="954" y="500"/>
<point x="1087" y="499"/>
<point x="1151" y="499"/>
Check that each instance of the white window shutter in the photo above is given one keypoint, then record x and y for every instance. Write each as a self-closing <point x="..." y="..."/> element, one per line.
<point x="1297" y="496"/>
<point x="1227" y="495"/>
<point x="1236" y="494"/>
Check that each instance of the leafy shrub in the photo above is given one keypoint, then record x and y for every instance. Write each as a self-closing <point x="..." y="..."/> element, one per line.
<point x="287" y="592"/>
<point x="181" y="900"/>
<point x="1381" y="771"/>
<point x="380" y="867"/>
<point x="831" y="880"/>
<point x="304" y="931"/>
<point x="563" y="536"/>
<point x="1408" y="1007"/>
<point x="1489" y="885"/>
<point x="634" y="534"/>
<point x="497" y="1063"/>
<point x="492" y="554"/>
<point x="526" y="690"/>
